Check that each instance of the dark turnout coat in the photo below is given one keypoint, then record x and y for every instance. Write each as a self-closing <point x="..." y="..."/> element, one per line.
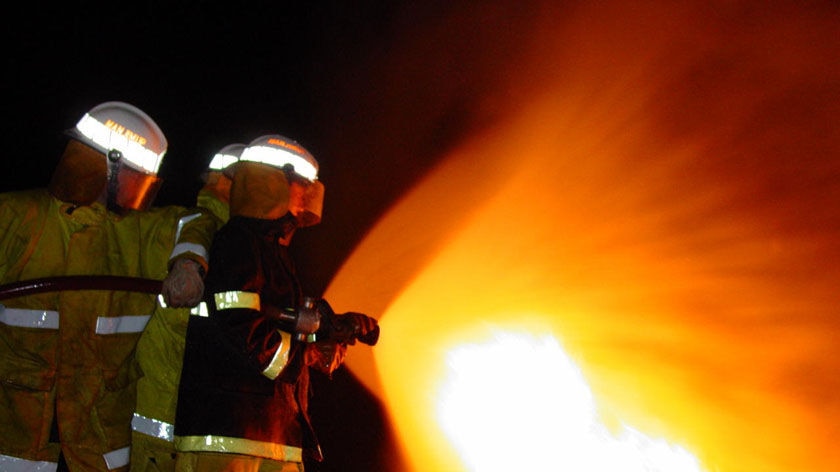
<point x="244" y="382"/>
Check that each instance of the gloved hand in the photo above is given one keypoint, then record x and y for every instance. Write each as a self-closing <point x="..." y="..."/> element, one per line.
<point x="184" y="285"/>
<point x="363" y="327"/>
<point x="325" y="356"/>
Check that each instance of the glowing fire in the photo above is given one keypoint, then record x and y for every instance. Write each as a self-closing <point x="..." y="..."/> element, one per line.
<point x="633" y="269"/>
<point x="471" y="368"/>
<point x="517" y="402"/>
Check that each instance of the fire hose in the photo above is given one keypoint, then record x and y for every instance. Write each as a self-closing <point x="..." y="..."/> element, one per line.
<point x="79" y="282"/>
<point x="313" y="321"/>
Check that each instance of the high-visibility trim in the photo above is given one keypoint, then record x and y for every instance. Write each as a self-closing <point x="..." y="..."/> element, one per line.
<point x="121" y="324"/>
<point x="116" y="138"/>
<point x="279" y="158"/>
<point x="280" y="452"/>
<point x="25" y="318"/>
<point x="221" y="161"/>
<point x="117" y="458"/>
<point x="183" y="248"/>
<point x="281" y="356"/>
<point x="152" y="427"/>
<point x="183" y="221"/>
<point x="200" y="310"/>
<point x="16" y="464"/>
<point x="236" y="299"/>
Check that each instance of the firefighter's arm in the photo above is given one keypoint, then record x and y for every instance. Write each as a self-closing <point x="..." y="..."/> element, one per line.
<point x="184" y="284"/>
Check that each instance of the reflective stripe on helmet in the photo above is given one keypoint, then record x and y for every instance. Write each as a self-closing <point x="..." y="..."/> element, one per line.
<point x="112" y="135"/>
<point x="279" y="151"/>
<point x="222" y="161"/>
<point x="226" y="156"/>
<point x="279" y="158"/>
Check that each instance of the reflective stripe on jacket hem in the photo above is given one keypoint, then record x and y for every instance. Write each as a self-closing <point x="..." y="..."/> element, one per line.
<point x="250" y="447"/>
<point x="117" y="458"/>
<point x="16" y="464"/>
<point x="121" y="324"/>
<point x="24" y="318"/>
<point x="152" y="427"/>
<point x="236" y="299"/>
<point x="281" y="356"/>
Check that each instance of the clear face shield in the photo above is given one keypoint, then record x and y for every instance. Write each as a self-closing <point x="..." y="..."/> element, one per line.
<point x="266" y="192"/>
<point x="258" y="191"/>
<point x="81" y="175"/>
<point x="313" y="203"/>
<point x="129" y="188"/>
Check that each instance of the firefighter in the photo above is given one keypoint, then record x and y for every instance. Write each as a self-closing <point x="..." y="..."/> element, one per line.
<point x="68" y="370"/>
<point x="161" y="346"/>
<point x="215" y="194"/>
<point x="242" y="400"/>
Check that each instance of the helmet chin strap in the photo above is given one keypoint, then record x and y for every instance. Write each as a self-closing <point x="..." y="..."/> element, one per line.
<point x="289" y="224"/>
<point x="114" y="164"/>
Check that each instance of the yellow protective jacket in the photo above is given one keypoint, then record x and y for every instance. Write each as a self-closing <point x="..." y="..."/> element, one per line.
<point x="160" y="352"/>
<point x="67" y="358"/>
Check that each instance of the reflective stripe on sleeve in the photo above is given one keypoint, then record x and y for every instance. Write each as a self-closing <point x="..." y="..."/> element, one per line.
<point x="121" y="324"/>
<point x="281" y="356"/>
<point x="24" y="318"/>
<point x="183" y="221"/>
<point x="200" y="310"/>
<point x="236" y="299"/>
<point x="16" y="464"/>
<point x="280" y="452"/>
<point x="182" y="248"/>
<point x="152" y="427"/>
<point x="117" y="458"/>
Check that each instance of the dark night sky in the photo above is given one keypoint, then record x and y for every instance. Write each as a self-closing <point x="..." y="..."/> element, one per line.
<point x="322" y="73"/>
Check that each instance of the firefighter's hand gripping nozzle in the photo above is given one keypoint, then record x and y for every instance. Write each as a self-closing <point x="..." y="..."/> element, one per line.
<point x="315" y="320"/>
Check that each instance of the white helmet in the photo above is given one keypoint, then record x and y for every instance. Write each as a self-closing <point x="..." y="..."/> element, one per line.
<point x="134" y="146"/>
<point x="119" y="126"/>
<point x="226" y="157"/>
<point x="283" y="153"/>
<point x="257" y="193"/>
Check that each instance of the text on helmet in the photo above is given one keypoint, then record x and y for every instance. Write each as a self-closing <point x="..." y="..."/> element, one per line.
<point x="122" y="130"/>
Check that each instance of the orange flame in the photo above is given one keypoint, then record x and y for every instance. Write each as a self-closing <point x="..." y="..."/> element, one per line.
<point x="668" y="217"/>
